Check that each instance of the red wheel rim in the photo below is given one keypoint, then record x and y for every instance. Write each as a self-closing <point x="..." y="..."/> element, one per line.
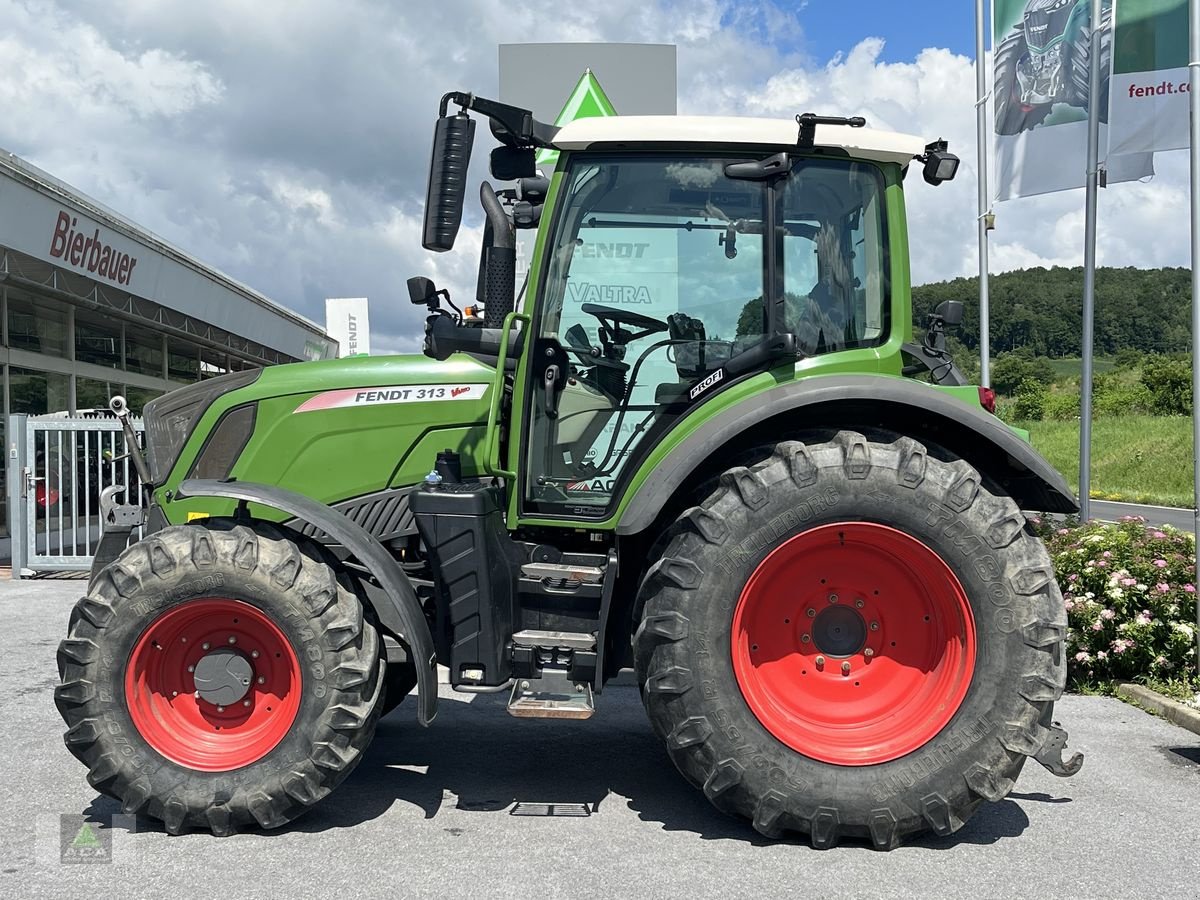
<point x="853" y="643"/>
<point x="161" y="689"/>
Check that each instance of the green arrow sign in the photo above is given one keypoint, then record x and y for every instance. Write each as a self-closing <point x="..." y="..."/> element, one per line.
<point x="587" y="100"/>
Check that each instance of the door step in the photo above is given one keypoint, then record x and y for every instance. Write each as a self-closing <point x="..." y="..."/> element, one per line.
<point x="553" y="696"/>
<point x="555" y="640"/>
<point x="563" y="572"/>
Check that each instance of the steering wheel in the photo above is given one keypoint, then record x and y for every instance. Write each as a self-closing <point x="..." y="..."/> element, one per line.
<point x="624" y="317"/>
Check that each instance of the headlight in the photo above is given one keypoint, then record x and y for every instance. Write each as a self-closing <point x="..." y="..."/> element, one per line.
<point x="169" y="419"/>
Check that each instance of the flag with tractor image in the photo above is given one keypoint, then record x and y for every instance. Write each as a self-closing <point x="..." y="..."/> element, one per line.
<point x="1042" y="62"/>
<point x="1149" y="106"/>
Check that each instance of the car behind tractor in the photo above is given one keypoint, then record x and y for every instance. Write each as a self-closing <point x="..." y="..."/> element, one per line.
<point x="705" y="446"/>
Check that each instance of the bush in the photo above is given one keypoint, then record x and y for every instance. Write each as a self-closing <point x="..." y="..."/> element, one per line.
<point x="1122" y="400"/>
<point x="1130" y="594"/>
<point x="1061" y="406"/>
<point x="1029" y="402"/>
<point x="1169" y="381"/>
<point x="1128" y="358"/>
<point x="1009" y="370"/>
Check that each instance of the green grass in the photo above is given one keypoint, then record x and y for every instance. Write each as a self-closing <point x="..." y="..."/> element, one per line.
<point x="1137" y="459"/>
<point x="1072" y="367"/>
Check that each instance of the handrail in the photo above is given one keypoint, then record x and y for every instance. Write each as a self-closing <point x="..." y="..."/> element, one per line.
<point x="491" y="455"/>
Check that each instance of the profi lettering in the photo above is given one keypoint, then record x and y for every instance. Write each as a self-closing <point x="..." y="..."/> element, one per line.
<point x="89" y="252"/>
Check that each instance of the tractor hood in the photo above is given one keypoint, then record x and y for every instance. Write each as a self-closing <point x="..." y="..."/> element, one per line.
<point x="332" y="430"/>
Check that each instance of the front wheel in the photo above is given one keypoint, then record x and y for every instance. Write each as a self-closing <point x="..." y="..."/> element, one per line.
<point x="852" y="638"/>
<point x="218" y="677"/>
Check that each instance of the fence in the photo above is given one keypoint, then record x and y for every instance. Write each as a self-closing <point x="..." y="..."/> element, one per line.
<point x="57" y="467"/>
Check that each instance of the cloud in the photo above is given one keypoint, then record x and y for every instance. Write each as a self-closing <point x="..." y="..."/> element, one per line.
<point x="286" y="141"/>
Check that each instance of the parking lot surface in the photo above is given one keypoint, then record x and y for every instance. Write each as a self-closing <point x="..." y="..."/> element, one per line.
<point x="460" y="809"/>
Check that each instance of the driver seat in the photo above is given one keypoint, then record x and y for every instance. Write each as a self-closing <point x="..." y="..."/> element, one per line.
<point x="695" y="356"/>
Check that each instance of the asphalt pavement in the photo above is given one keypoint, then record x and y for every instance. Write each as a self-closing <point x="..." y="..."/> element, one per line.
<point x="482" y="805"/>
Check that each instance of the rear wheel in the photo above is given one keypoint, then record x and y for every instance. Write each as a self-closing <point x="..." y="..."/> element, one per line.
<point x="852" y="638"/>
<point x="219" y="677"/>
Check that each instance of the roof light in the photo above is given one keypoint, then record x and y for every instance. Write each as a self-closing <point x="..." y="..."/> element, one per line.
<point x="940" y="164"/>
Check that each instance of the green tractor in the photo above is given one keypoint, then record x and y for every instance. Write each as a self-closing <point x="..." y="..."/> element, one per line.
<point x="700" y="442"/>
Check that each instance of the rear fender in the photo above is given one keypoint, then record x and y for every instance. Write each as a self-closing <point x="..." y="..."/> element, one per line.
<point x="906" y="407"/>
<point x="400" y="613"/>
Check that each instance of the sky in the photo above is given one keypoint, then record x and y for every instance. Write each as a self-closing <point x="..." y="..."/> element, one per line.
<point x="286" y="142"/>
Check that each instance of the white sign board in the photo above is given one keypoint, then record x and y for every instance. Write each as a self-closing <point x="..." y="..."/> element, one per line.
<point x="347" y="323"/>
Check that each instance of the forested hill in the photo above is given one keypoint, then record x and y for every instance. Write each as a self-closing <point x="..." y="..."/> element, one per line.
<point x="1041" y="309"/>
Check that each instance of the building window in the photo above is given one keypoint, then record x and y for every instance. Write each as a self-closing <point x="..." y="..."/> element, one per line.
<point x="91" y="394"/>
<point x="137" y="398"/>
<point x="183" y="361"/>
<point x="97" y="340"/>
<point x="213" y="363"/>
<point x="39" y="326"/>
<point x="143" y="351"/>
<point x="37" y="393"/>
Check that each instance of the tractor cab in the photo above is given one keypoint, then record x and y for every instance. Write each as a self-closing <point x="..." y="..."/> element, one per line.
<point x="678" y="257"/>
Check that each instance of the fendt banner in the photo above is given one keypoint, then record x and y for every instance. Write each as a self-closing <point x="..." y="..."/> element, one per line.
<point x="347" y="322"/>
<point x="1149" y="100"/>
<point x="1041" y="63"/>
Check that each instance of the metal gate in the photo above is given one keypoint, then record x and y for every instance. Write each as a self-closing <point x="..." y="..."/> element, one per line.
<point x="57" y="467"/>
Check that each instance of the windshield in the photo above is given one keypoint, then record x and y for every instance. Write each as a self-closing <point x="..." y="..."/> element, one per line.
<point x="655" y="279"/>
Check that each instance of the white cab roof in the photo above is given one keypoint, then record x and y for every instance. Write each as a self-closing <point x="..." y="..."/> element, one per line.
<point x="864" y="143"/>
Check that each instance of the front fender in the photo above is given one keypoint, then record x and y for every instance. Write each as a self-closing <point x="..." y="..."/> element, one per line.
<point x="402" y="616"/>
<point x="847" y="401"/>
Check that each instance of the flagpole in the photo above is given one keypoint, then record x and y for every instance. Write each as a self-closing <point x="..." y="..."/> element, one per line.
<point x="1194" y="153"/>
<point x="982" y="138"/>
<point x="1092" y="186"/>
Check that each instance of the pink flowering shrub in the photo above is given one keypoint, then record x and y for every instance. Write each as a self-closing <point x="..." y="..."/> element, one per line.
<point x="1130" y="593"/>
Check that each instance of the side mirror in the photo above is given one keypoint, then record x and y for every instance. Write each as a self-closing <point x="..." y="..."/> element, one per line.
<point x="950" y="312"/>
<point x="421" y="290"/>
<point x="452" y="139"/>
<point x="512" y="163"/>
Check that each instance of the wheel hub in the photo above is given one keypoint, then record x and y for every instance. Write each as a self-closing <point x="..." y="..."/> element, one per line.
<point x="213" y="684"/>
<point x="223" y="677"/>
<point x="839" y="631"/>
<point x="853" y="643"/>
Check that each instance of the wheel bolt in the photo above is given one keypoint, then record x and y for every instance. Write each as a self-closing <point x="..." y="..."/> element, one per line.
<point x="820" y="661"/>
<point x="254" y="653"/>
<point x="833" y="598"/>
<point x="868" y="653"/>
<point x="174" y="693"/>
<point x="191" y="668"/>
<point x="204" y="646"/>
<point x="874" y="626"/>
<point x="220" y="709"/>
<point x="262" y="679"/>
<point x="859" y="603"/>
<point x="183" y="640"/>
<point x="811" y="613"/>
<point x="232" y="639"/>
<point x="804" y="638"/>
<point x="845" y="668"/>
<point x="245" y="703"/>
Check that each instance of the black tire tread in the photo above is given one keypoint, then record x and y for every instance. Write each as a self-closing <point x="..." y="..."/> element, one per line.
<point x="680" y="718"/>
<point x="339" y="735"/>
